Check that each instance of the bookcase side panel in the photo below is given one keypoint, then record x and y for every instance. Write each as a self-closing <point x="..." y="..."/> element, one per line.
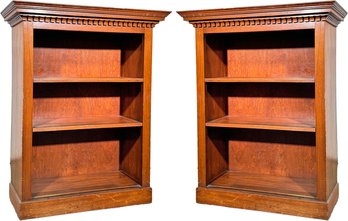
<point x="200" y="65"/>
<point x="17" y="108"/>
<point x="330" y="109"/>
<point x="27" y="109"/>
<point x="141" y="171"/>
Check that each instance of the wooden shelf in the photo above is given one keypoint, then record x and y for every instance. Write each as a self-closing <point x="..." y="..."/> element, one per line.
<point x="251" y="122"/>
<point x="87" y="80"/>
<point x="95" y="122"/>
<point x="303" y="187"/>
<point x="258" y="80"/>
<point x="46" y="187"/>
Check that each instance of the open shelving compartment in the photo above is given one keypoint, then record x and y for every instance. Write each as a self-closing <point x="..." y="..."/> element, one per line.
<point x="81" y="107"/>
<point x="266" y="107"/>
<point x="87" y="112"/>
<point x="260" y="112"/>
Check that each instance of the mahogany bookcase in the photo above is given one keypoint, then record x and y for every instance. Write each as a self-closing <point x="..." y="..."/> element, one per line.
<point x="81" y="107"/>
<point x="267" y="107"/>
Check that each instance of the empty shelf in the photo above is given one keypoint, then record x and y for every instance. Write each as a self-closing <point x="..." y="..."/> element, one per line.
<point x="87" y="80"/>
<point x="98" y="122"/>
<point x="304" y="187"/>
<point x="261" y="80"/>
<point x="44" y="187"/>
<point x="250" y="122"/>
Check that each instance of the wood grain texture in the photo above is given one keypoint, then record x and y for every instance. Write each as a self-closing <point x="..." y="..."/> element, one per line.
<point x="269" y="15"/>
<point x="146" y="132"/>
<point x="116" y="26"/>
<point x="259" y="79"/>
<point x="266" y="202"/>
<point x="330" y="111"/>
<point x="275" y="63"/>
<point x="279" y="153"/>
<point x="84" y="100"/>
<point x="86" y="80"/>
<point x="271" y="54"/>
<point x="91" y="63"/>
<point x="268" y="102"/>
<point x="216" y="154"/>
<point x="131" y="155"/>
<point x="18" y="11"/>
<point x="56" y="186"/>
<point x="81" y="107"/>
<point x="133" y="57"/>
<point x="28" y="103"/>
<point x="258" y="25"/>
<point x="264" y="100"/>
<point x="320" y="109"/>
<point x="201" y="99"/>
<point x="326" y="106"/>
<point x="215" y="57"/>
<point x="69" y="153"/>
<point x="17" y="109"/>
<point x="105" y="55"/>
<point x="250" y="122"/>
<point x="79" y="203"/>
<point x="266" y="183"/>
<point x="95" y="122"/>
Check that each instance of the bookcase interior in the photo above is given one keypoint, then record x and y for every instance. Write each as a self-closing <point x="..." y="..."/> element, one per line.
<point x="280" y="162"/>
<point x="87" y="112"/>
<point x="64" y="106"/>
<point x="67" y="162"/>
<point x="274" y="54"/>
<point x="260" y="112"/>
<point x="87" y="55"/>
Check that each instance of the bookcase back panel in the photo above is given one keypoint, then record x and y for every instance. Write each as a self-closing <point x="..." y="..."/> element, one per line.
<point x="279" y="153"/>
<point x="272" y="100"/>
<point x="78" y="62"/>
<point x="260" y="54"/>
<point x="264" y="100"/>
<point x="87" y="54"/>
<point x="70" y="153"/>
<point x="87" y="99"/>
<point x="76" y="100"/>
<point x="280" y="62"/>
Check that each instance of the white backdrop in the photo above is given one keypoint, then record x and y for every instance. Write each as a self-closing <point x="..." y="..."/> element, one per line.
<point x="173" y="132"/>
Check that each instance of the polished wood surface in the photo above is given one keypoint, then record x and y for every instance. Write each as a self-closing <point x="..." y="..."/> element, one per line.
<point x="80" y="202"/>
<point x="55" y="186"/>
<point x="271" y="54"/>
<point x="68" y="153"/>
<point x="259" y="79"/>
<point x="266" y="107"/>
<point x="81" y="107"/>
<point x="292" y="186"/>
<point x="276" y="203"/>
<point x="59" y="124"/>
<point x="250" y="122"/>
<point x="17" y="152"/>
<point x="279" y="153"/>
<point x="260" y="100"/>
<point x="86" y="80"/>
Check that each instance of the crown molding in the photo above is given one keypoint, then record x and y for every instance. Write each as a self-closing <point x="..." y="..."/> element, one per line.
<point x="18" y="11"/>
<point x="329" y="11"/>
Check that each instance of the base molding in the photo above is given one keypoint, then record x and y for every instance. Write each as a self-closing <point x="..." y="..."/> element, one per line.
<point x="79" y="203"/>
<point x="268" y="203"/>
